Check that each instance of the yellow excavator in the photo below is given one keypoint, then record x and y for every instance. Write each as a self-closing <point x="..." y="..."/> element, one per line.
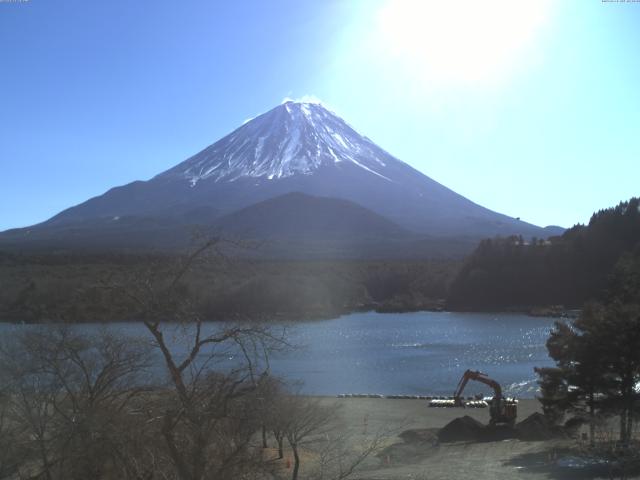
<point x="502" y="411"/>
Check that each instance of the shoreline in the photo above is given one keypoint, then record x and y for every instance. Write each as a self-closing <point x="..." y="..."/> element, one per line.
<point x="534" y="312"/>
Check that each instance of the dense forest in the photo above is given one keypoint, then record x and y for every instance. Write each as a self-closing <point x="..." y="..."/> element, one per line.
<point x="78" y="288"/>
<point x="515" y="273"/>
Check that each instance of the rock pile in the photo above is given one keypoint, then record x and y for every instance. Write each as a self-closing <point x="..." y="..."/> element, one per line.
<point x="535" y="427"/>
<point x="461" y="429"/>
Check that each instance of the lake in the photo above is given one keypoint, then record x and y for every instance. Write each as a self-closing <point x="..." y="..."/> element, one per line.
<point x="422" y="353"/>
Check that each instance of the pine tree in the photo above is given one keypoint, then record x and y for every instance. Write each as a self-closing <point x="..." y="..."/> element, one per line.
<point x="598" y="355"/>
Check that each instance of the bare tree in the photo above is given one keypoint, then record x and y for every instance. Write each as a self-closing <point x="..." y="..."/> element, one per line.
<point x="305" y="419"/>
<point x="212" y="410"/>
<point x="69" y="395"/>
<point x="11" y="451"/>
<point x="311" y="425"/>
<point x="273" y="411"/>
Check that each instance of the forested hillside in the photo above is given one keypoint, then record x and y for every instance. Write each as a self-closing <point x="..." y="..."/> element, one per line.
<point x="80" y="288"/>
<point x="567" y="270"/>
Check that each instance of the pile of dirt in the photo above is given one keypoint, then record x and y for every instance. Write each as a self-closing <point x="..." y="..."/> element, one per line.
<point x="461" y="429"/>
<point x="535" y="427"/>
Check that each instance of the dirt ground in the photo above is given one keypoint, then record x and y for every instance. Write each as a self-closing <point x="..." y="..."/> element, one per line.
<point x="414" y="453"/>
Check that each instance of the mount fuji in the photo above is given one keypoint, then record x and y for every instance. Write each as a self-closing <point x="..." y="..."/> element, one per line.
<point x="296" y="147"/>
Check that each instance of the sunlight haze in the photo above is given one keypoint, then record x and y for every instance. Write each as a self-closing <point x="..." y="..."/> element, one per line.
<point x="462" y="42"/>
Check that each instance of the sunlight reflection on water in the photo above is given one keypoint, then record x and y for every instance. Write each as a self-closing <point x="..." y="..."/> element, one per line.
<point x="422" y="353"/>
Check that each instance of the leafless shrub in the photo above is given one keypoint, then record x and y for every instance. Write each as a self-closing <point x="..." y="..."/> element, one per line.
<point x="339" y="456"/>
<point x="69" y="395"/>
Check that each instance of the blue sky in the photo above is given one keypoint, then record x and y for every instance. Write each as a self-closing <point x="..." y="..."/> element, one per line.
<point x="533" y="118"/>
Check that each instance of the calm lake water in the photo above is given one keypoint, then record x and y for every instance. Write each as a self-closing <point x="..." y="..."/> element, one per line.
<point x="422" y="353"/>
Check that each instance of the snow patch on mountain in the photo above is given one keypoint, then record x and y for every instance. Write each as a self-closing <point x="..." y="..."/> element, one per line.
<point x="295" y="138"/>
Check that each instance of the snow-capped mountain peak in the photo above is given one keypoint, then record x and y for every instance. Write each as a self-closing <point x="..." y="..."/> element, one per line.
<point x="297" y="147"/>
<point x="295" y="138"/>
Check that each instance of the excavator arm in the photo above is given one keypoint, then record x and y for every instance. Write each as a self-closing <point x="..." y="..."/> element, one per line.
<point x="478" y="377"/>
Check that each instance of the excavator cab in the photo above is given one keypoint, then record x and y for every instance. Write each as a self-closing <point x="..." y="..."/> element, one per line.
<point x="503" y="411"/>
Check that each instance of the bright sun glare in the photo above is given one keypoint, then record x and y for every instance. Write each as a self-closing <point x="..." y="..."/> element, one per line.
<point x="461" y="41"/>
